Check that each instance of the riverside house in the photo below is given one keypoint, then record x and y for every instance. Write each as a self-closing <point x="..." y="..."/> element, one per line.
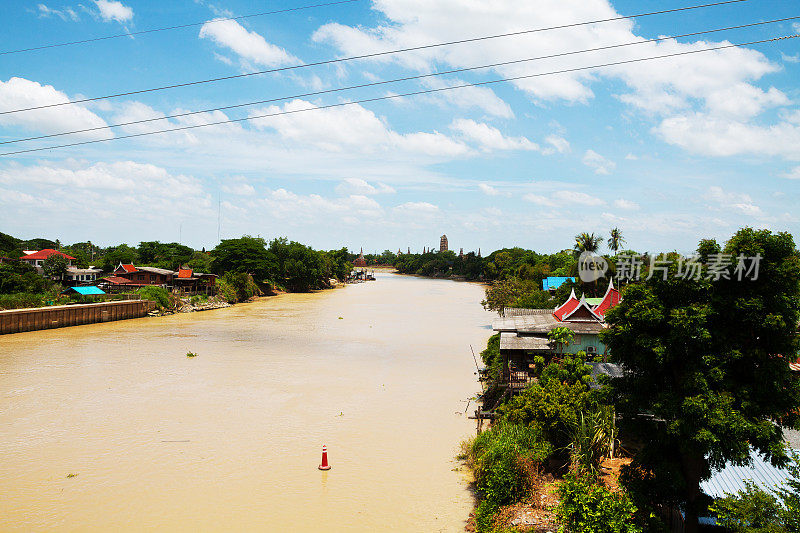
<point x="524" y="333"/>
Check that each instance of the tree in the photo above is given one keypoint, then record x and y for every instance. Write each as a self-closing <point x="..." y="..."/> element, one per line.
<point x="615" y="240"/>
<point x="707" y="361"/>
<point x="55" y="266"/>
<point x="587" y="242"/>
<point x="246" y="255"/>
<point x="119" y="254"/>
<point x="562" y="336"/>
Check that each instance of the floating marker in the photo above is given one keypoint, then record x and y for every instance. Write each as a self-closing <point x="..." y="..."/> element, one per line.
<point x="324" y="465"/>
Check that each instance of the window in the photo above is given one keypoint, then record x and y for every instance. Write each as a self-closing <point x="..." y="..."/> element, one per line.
<point x="152" y="277"/>
<point x="140" y="277"/>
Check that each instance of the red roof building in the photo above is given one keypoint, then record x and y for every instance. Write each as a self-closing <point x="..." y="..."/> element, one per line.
<point x="124" y="269"/>
<point x="610" y="299"/>
<point x="566" y="307"/>
<point x="37" y="258"/>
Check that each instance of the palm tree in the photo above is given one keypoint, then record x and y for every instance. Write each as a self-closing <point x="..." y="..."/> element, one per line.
<point x="587" y="242"/>
<point x="616" y="240"/>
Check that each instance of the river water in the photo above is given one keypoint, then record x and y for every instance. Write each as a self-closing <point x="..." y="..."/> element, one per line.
<point x="231" y="439"/>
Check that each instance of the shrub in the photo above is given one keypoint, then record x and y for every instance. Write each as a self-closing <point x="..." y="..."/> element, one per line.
<point x="20" y="300"/>
<point x="502" y="458"/>
<point x="588" y="507"/>
<point x="592" y="438"/>
<point x="243" y="285"/>
<point x="551" y="406"/>
<point x="155" y="294"/>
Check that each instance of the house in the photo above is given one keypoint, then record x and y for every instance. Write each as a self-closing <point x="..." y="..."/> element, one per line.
<point x="524" y="333"/>
<point x="82" y="275"/>
<point x="140" y="276"/>
<point x="36" y="259"/>
<point x="194" y="282"/>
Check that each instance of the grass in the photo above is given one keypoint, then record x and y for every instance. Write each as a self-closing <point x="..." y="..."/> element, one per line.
<point x="71" y="475"/>
<point x="191" y="354"/>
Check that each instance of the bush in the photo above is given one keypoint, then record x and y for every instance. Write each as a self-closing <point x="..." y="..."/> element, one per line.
<point x="21" y="300"/>
<point x="588" y="507"/>
<point x="239" y="285"/>
<point x="155" y="294"/>
<point x="502" y="459"/>
<point x="551" y="406"/>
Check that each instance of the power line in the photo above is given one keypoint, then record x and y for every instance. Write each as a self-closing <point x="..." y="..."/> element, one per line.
<point x="415" y="93"/>
<point x="176" y="27"/>
<point x="397" y="80"/>
<point x="366" y="56"/>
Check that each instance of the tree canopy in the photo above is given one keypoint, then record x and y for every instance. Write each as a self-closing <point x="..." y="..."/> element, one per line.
<point x="707" y="363"/>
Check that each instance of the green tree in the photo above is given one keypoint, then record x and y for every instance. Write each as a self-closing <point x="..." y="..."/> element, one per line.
<point x="246" y="255"/>
<point x="55" y="266"/>
<point x="587" y="242"/>
<point x="562" y="336"/>
<point x="615" y="241"/>
<point x="708" y="362"/>
<point x="115" y="255"/>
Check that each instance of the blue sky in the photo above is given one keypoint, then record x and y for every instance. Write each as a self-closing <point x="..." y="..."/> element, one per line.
<point x="671" y="150"/>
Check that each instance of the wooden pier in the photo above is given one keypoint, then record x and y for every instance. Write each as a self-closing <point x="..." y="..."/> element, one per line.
<point x="59" y="316"/>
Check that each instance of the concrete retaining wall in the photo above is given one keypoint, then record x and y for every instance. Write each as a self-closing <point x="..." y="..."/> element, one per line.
<point x="59" y="316"/>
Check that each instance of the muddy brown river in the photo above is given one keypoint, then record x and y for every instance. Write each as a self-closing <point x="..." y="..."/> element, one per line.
<point x="231" y="439"/>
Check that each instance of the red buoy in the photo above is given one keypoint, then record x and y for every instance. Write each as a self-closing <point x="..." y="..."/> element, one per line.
<point x="324" y="465"/>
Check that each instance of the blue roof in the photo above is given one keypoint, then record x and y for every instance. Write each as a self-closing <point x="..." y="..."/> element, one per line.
<point x="554" y="282"/>
<point x="86" y="291"/>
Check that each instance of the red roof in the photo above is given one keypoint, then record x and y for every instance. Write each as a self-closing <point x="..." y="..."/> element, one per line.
<point x="185" y="273"/>
<point x="611" y="298"/>
<point x="567" y="307"/>
<point x="127" y="268"/>
<point x="44" y="254"/>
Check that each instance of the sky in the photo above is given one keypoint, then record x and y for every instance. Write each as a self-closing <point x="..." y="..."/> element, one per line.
<point x="669" y="150"/>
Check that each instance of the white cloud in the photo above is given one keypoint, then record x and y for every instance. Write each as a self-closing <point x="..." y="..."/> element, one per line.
<point x="490" y="138"/>
<point x="703" y="134"/>
<point x="418" y="207"/>
<point x="66" y="13"/>
<point x="559" y="144"/>
<point x="351" y="128"/>
<point x="738" y="202"/>
<point x="488" y="190"/>
<point x="77" y="190"/>
<point x="250" y="46"/>
<point x="482" y="98"/>
<point x="626" y="204"/>
<point x="112" y="10"/>
<point x="793" y="174"/>
<point x="579" y="198"/>
<point x="654" y="85"/>
<point x="20" y="93"/>
<point x="598" y="163"/>
<point x="296" y="208"/>
<point x="539" y="200"/>
<point x="361" y="187"/>
<point x="239" y="187"/>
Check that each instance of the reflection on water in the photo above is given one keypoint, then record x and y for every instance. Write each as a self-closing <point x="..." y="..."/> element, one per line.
<point x="231" y="439"/>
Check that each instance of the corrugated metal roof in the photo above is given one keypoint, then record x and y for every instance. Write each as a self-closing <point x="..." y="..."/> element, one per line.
<point x="519" y="311"/>
<point x="730" y="479"/>
<point x="554" y="282"/>
<point x="86" y="291"/>
<point x="543" y="323"/>
<point x="512" y="341"/>
<point x="606" y="369"/>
